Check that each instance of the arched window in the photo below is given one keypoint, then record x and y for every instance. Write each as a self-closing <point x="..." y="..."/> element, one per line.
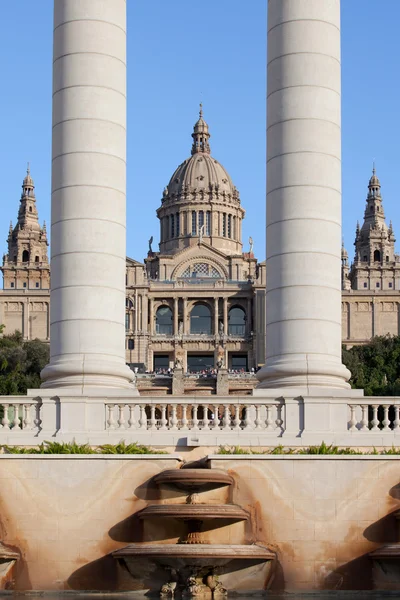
<point x="201" y="219"/>
<point x="377" y="256"/>
<point x="236" y="321"/>
<point x="229" y="226"/>
<point x="25" y="256"/>
<point x="164" y="320"/>
<point x="224" y="225"/>
<point x="36" y="259"/>
<point x="194" y="222"/>
<point x="200" y="319"/>
<point x="208" y="222"/>
<point x="30" y="209"/>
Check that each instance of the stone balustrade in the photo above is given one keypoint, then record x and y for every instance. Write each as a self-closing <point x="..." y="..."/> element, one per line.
<point x="194" y="420"/>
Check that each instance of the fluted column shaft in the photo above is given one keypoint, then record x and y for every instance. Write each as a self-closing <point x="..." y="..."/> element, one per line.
<point x="88" y="239"/>
<point x="303" y="196"/>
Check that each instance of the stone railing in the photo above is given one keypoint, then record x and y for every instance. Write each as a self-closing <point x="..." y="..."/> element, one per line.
<point x="189" y="420"/>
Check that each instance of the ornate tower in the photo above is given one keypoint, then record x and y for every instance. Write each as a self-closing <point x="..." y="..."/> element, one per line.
<point x="375" y="264"/>
<point x="26" y="265"/>
<point x="201" y="202"/>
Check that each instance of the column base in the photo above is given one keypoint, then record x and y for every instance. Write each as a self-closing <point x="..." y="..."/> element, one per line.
<point x="304" y="372"/>
<point x="84" y="374"/>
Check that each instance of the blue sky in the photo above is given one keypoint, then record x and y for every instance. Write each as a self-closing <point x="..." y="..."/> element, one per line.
<point x="179" y="52"/>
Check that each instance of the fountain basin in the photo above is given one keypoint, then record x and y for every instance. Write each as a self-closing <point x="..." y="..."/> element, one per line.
<point x="176" y="556"/>
<point x="199" y="512"/>
<point x="193" y="479"/>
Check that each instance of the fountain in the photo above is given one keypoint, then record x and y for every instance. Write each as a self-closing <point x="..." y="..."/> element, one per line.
<point x="8" y="559"/>
<point x="386" y="567"/>
<point x="194" y="564"/>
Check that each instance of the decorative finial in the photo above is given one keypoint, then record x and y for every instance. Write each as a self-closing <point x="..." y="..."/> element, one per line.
<point x="342" y="242"/>
<point x="373" y="168"/>
<point x="201" y="110"/>
<point x="28" y="169"/>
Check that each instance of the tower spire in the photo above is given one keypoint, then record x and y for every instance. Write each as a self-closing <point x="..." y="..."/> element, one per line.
<point x="201" y="135"/>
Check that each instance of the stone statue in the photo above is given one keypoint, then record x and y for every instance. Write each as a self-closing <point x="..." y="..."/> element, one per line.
<point x="178" y="363"/>
<point x="251" y="242"/>
<point x="201" y="233"/>
<point x="150" y="243"/>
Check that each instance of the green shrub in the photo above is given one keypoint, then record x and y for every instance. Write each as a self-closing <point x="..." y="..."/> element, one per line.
<point x="74" y="448"/>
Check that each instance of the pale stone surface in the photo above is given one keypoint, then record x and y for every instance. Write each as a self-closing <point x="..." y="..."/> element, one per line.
<point x="303" y="325"/>
<point x="66" y="514"/>
<point x="87" y="319"/>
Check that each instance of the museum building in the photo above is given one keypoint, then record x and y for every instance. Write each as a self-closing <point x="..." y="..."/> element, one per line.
<point x="200" y="300"/>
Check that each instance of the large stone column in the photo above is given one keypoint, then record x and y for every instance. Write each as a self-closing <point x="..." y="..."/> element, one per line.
<point x="88" y="197"/>
<point x="303" y="294"/>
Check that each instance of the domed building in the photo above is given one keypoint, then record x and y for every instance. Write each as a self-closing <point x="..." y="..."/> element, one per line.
<point x="199" y="305"/>
<point x="199" y="300"/>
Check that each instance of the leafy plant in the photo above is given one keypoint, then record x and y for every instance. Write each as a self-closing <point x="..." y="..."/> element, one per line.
<point x="123" y="448"/>
<point x="74" y="448"/>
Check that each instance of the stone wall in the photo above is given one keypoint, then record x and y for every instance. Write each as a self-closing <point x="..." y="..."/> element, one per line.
<point x="322" y="515"/>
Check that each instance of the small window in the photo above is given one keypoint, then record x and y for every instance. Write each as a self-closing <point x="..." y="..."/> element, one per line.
<point x="229" y="226"/>
<point x="365" y="284"/>
<point x="37" y="284"/>
<point x="37" y="260"/>
<point x="24" y="284"/>
<point x="378" y="284"/>
<point x="390" y="284"/>
<point x="224" y="225"/>
<point x="172" y="226"/>
<point x="194" y="222"/>
<point x="178" y="228"/>
<point x="30" y="209"/>
<point x="365" y="258"/>
<point x="12" y="284"/>
<point x="131" y="344"/>
<point x="377" y="256"/>
<point x="387" y="259"/>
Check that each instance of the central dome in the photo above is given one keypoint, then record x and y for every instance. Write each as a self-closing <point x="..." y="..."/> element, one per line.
<point x="200" y="203"/>
<point x="200" y="172"/>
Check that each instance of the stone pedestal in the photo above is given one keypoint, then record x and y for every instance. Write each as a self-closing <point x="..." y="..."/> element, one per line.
<point x="303" y="295"/>
<point x="222" y="382"/>
<point x="88" y="237"/>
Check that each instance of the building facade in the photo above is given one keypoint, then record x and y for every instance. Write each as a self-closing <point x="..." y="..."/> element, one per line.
<point x="200" y="300"/>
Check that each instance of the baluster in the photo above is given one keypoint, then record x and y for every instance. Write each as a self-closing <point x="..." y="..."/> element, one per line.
<point x="258" y="420"/>
<point x="226" y="421"/>
<point x="269" y="420"/>
<point x="27" y="416"/>
<point x="143" y="417"/>
<point x="215" y="420"/>
<point x="121" y="416"/>
<point x="153" y="421"/>
<point x="396" y="422"/>
<point x="16" y="421"/>
<point x="236" y="421"/>
<point x="110" y="420"/>
<point x="279" y="420"/>
<point x="132" y="420"/>
<point x="6" y="420"/>
<point x="353" y="420"/>
<point x="386" y="420"/>
<point x="248" y="422"/>
<point x="164" y="420"/>
<point x="364" y="418"/>
<point x="206" y="420"/>
<point x="37" y="420"/>
<point x="174" y="419"/>
<point x="375" y="420"/>
<point x="184" y="417"/>
<point x="194" y="418"/>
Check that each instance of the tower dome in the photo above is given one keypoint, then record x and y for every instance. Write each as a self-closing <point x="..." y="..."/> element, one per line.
<point x="200" y="201"/>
